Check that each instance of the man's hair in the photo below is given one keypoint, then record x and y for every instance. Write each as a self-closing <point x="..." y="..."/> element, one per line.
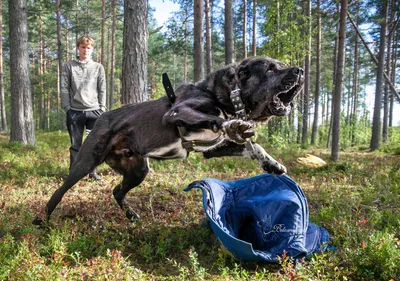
<point x="85" y="39"/>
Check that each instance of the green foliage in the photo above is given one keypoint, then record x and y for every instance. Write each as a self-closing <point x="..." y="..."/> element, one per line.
<point x="378" y="256"/>
<point x="284" y="31"/>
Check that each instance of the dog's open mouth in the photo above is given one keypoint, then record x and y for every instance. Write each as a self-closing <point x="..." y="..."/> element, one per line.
<point x="280" y="104"/>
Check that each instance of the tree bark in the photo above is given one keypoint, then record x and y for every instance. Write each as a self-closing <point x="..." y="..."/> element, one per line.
<point x="22" y="123"/>
<point x="103" y="20"/>
<point x="389" y="57"/>
<point x="244" y="28"/>
<point x="318" y="74"/>
<point x="40" y="77"/>
<point x="307" y="66"/>
<point x="208" y="38"/>
<point x="335" y="61"/>
<point x="386" y="93"/>
<point x="393" y="76"/>
<point x="339" y="83"/>
<point x="198" y="41"/>
<point x="254" y="45"/>
<point x="2" y="98"/>
<point x="59" y="52"/>
<point x="76" y="26"/>
<point x="112" y="68"/>
<point x="185" y="59"/>
<point x="354" y="116"/>
<point x="376" y="120"/>
<point x="67" y="57"/>
<point x="228" y="28"/>
<point x="134" y="63"/>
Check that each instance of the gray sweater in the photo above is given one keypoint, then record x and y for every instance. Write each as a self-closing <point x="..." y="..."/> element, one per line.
<point x="83" y="86"/>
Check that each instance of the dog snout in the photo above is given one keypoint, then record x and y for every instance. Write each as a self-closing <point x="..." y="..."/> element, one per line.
<point x="298" y="71"/>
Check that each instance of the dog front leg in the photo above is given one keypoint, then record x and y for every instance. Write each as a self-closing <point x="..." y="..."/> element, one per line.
<point x="268" y="163"/>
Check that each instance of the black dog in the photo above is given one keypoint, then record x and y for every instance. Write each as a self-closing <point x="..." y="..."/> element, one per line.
<point x="208" y="117"/>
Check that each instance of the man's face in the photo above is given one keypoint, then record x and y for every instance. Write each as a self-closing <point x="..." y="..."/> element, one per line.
<point x="85" y="51"/>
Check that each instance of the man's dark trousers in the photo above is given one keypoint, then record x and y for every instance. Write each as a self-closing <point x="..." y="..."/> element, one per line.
<point x="76" y="123"/>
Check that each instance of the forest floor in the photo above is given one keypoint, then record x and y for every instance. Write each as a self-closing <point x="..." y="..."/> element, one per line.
<point x="357" y="200"/>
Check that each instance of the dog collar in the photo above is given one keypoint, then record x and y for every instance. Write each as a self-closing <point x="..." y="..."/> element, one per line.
<point x="240" y="113"/>
<point x="238" y="104"/>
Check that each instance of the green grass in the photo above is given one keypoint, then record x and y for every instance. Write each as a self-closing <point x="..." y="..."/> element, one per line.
<point x="357" y="200"/>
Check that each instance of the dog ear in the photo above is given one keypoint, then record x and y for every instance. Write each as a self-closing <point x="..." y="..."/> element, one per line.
<point x="228" y="78"/>
<point x="243" y="72"/>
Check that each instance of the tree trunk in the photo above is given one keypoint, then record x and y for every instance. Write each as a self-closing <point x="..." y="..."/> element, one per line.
<point x="339" y="83"/>
<point x="244" y="28"/>
<point x="299" y="116"/>
<point x="103" y="20"/>
<point x="376" y="120"/>
<point x="40" y="77"/>
<point x="2" y="98"/>
<point x="254" y="45"/>
<point x="228" y="28"/>
<point x="112" y="68"/>
<point x="59" y="52"/>
<point x="393" y="76"/>
<point x="107" y="64"/>
<point x="76" y="26"/>
<point x="185" y="59"/>
<point x="355" y="91"/>
<point x="386" y="103"/>
<point x="323" y="104"/>
<point x="318" y="74"/>
<point x="208" y="37"/>
<point x="198" y="41"/>
<point x="385" y="129"/>
<point x="134" y="63"/>
<point x="335" y="61"/>
<point x="22" y="123"/>
<point x="307" y="69"/>
<point x="67" y="57"/>
<point x="48" y="101"/>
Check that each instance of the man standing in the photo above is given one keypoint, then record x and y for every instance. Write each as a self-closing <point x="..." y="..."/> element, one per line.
<point x="83" y="95"/>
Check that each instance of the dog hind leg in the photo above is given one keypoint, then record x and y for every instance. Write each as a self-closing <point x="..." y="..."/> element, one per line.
<point x="90" y="155"/>
<point x="134" y="171"/>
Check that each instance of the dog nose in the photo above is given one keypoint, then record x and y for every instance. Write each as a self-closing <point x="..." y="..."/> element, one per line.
<point x="298" y="71"/>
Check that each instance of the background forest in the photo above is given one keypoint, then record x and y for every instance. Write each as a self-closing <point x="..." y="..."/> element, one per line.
<point x="349" y="107"/>
<point x="304" y="33"/>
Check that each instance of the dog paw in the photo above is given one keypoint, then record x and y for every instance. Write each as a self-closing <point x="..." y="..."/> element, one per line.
<point x="238" y="130"/>
<point x="37" y="221"/>
<point x="274" y="167"/>
<point x="132" y="215"/>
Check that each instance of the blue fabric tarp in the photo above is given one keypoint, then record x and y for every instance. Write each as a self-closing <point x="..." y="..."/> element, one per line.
<point x="259" y="218"/>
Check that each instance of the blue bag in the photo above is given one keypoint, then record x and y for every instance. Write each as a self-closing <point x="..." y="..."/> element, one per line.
<point x="259" y="218"/>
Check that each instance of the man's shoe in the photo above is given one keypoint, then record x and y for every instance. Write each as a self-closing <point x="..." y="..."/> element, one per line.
<point x="95" y="177"/>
